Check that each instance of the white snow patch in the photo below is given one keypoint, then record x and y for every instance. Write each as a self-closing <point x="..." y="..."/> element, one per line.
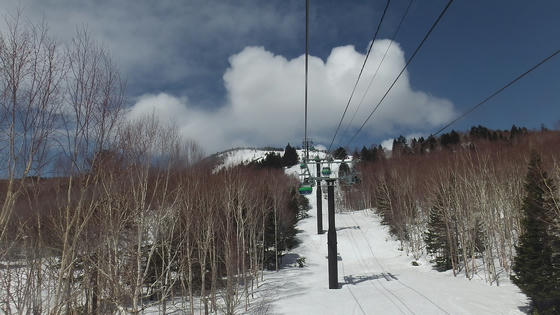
<point x="242" y="156"/>
<point x="375" y="277"/>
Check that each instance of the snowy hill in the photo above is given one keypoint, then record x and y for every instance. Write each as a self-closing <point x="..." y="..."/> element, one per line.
<point x="375" y="276"/>
<point x="241" y="156"/>
<point x="235" y="157"/>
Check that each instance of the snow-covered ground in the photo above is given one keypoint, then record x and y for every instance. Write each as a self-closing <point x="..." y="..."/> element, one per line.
<point x="241" y="156"/>
<point x="244" y="156"/>
<point x="375" y="277"/>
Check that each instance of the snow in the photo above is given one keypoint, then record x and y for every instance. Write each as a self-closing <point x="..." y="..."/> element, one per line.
<point x="375" y="277"/>
<point x="242" y="156"/>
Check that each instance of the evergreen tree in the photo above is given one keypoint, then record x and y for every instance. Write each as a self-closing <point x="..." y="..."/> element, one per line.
<point x="480" y="132"/>
<point x="479" y="237"/>
<point x="340" y="153"/>
<point x="365" y="154"/>
<point x="374" y="152"/>
<point x="369" y="155"/>
<point x="297" y="208"/>
<point x="448" y="139"/>
<point x="356" y="155"/>
<point x="271" y="160"/>
<point x="535" y="273"/>
<point x="399" y="146"/>
<point x="429" y="144"/>
<point x="414" y="146"/>
<point x="437" y="243"/>
<point x="290" y="156"/>
<point x="385" y="204"/>
<point x="514" y="131"/>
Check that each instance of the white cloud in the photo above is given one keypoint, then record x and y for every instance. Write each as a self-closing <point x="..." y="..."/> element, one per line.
<point x="163" y="44"/>
<point x="320" y="147"/>
<point x="387" y="144"/>
<point x="168" y="109"/>
<point x="265" y="100"/>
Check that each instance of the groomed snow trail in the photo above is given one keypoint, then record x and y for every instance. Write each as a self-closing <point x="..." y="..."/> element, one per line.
<point x="375" y="277"/>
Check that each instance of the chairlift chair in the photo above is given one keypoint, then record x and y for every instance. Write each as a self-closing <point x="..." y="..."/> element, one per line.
<point x="343" y="170"/>
<point x="305" y="189"/>
<point x="346" y="175"/>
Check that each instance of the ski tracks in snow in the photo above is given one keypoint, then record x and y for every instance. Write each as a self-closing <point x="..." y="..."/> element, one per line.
<point x="365" y="269"/>
<point x="358" y="240"/>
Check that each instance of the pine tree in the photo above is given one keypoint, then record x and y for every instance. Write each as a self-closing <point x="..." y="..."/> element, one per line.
<point x="365" y="154"/>
<point x="514" y="132"/>
<point x="399" y="146"/>
<point x="479" y="237"/>
<point x="535" y="273"/>
<point x="340" y="153"/>
<point x="448" y="139"/>
<point x="271" y="160"/>
<point x="436" y="240"/>
<point x="429" y="144"/>
<point x="290" y="156"/>
<point x="385" y="205"/>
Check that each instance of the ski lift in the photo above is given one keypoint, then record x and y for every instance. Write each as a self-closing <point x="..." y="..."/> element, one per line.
<point x="347" y="175"/>
<point x="303" y="166"/>
<point x="305" y="189"/>
<point x="326" y="171"/>
<point x="343" y="170"/>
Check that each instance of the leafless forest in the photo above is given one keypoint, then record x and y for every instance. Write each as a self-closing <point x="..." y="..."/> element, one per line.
<point x="100" y="215"/>
<point x="474" y="189"/>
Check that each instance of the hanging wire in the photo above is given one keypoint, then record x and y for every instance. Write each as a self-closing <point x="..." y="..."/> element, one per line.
<point x="378" y="67"/>
<point x="403" y="69"/>
<point x="470" y="110"/>
<point x="360" y="74"/>
<point x="306" y="141"/>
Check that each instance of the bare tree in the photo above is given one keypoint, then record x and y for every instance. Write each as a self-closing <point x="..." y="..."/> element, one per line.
<point x="93" y="99"/>
<point x="31" y="71"/>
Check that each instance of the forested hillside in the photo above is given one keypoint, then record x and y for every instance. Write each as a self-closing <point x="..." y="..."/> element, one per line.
<point x="458" y="198"/>
<point x="101" y="214"/>
<point x="138" y="230"/>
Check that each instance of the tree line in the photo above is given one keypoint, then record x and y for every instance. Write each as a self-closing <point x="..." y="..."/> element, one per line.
<point x="479" y="204"/>
<point x="277" y="161"/>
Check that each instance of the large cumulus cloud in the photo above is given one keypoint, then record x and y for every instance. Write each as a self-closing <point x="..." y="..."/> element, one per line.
<point x="265" y="99"/>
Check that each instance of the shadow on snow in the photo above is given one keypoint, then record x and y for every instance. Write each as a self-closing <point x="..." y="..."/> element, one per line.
<point x="353" y="280"/>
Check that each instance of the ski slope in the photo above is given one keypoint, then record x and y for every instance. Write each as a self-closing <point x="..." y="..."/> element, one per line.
<point x="374" y="276"/>
<point x="241" y="156"/>
<point x="245" y="156"/>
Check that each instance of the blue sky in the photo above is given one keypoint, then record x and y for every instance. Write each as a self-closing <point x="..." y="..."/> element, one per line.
<point x="480" y="46"/>
<point x="220" y="67"/>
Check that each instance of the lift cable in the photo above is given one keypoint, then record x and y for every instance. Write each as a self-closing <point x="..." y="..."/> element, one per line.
<point x="403" y="69"/>
<point x="470" y="110"/>
<point x="378" y="66"/>
<point x="360" y="74"/>
<point x="306" y="142"/>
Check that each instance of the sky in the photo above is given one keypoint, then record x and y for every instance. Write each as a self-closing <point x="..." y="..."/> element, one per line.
<point x="231" y="73"/>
